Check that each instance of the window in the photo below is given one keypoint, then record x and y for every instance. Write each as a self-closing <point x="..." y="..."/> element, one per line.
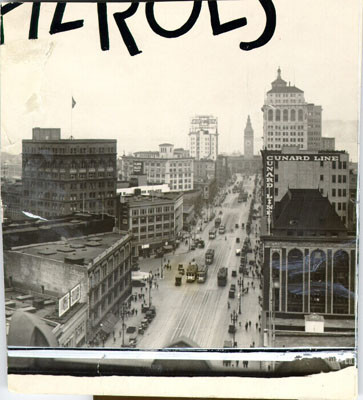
<point x="278" y="115"/>
<point x="293" y="115"/>
<point x="344" y="205"/>
<point x="270" y="115"/>
<point x="322" y="163"/>
<point x="339" y="192"/>
<point x="276" y="191"/>
<point x="339" y="206"/>
<point x="276" y="178"/>
<point x="344" y="178"/>
<point x="344" y="192"/>
<point x="333" y="192"/>
<point x="321" y="178"/>
<point x="285" y="115"/>
<point x="334" y="165"/>
<point x="333" y="178"/>
<point x="339" y="179"/>
<point x="300" y="115"/>
<point x="344" y="165"/>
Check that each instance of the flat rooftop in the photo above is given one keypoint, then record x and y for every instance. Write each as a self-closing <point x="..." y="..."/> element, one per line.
<point x="49" y="311"/>
<point x="80" y="251"/>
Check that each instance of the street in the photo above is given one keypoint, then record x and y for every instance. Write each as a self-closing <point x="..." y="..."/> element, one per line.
<point x="201" y="312"/>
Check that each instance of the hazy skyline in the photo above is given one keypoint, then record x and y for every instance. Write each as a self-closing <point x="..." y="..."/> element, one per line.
<point x="148" y="99"/>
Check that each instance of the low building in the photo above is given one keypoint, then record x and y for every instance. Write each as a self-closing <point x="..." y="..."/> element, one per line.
<point x="155" y="220"/>
<point x="143" y="190"/>
<point x="94" y="270"/>
<point x="169" y="166"/>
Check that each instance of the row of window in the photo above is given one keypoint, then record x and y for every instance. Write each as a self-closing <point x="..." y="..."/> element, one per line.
<point x="151" y="210"/>
<point x="338" y="192"/>
<point x="152" y="228"/>
<point x="276" y="116"/>
<point x="336" y="178"/>
<point x="68" y="150"/>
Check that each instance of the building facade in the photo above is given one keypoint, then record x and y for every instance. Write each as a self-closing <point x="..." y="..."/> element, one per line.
<point x="331" y="178"/>
<point x="288" y="120"/>
<point x="245" y="165"/>
<point x="223" y="172"/>
<point x="203" y="137"/>
<point x="309" y="258"/>
<point x="62" y="176"/>
<point x="98" y="266"/>
<point x="248" y="140"/>
<point x="204" y="170"/>
<point x="165" y="166"/>
<point x="155" y="221"/>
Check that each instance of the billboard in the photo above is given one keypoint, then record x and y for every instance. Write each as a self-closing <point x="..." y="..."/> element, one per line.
<point x="138" y="168"/>
<point x="64" y="304"/>
<point x="75" y="295"/>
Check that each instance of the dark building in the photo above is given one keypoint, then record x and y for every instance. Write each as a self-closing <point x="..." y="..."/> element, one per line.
<point x="223" y="172"/>
<point x="309" y="259"/>
<point x="62" y="176"/>
<point x="11" y="196"/>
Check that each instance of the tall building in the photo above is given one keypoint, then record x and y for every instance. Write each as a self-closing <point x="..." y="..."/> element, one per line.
<point x="203" y="137"/>
<point x="168" y="165"/>
<point x="292" y="168"/>
<point x="61" y="176"/>
<point x="288" y="120"/>
<point x="248" y="140"/>
<point x="154" y="220"/>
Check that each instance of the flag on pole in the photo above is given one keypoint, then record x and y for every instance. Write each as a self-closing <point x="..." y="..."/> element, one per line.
<point x="73" y="102"/>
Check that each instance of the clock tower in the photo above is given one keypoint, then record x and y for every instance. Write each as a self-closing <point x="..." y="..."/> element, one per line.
<point x="248" y="140"/>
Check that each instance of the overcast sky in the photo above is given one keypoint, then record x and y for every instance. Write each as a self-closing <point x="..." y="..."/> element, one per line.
<point x="148" y="99"/>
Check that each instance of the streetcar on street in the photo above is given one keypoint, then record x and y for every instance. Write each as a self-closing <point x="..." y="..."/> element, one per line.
<point x="202" y="273"/>
<point x="212" y="234"/>
<point x="209" y="256"/>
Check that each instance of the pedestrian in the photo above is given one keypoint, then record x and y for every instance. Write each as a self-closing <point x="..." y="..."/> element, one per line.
<point x="259" y="317"/>
<point x="249" y="324"/>
<point x="246" y="326"/>
<point x="240" y="323"/>
<point x="228" y="305"/>
<point x="253" y="344"/>
<point x="256" y="325"/>
<point x="136" y="311"/>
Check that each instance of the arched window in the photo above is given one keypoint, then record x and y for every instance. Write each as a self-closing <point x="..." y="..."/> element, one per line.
<point x="300" y="115"/>
<point x="275" y="279"/>
<point x="295" y="280"/>
<point x="293" y="115"/>
<point x="278" y="115"/>
<point x="341" y="292"/>
<point x="270" y="115"/>
<point x="317" y="281"/>
<point x="285" y="115"/>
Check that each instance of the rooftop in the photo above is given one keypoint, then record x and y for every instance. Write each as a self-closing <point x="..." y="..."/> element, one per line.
<point x="157" y="197"/>
<point x="306" y="209"/>
<point x="80" y="251"/>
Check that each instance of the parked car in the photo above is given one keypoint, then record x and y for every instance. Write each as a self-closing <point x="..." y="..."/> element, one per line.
<point x="180" y="267"/>
<point x="237" y="240"/>
<point x="182" y="271"/>
<point x="234" y="273"/>
<point x="178" y="281"/>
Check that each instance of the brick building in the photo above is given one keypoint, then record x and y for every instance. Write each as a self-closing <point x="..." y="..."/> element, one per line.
<point x="155" y="220"/>
<point x="98" y="266"/>
<point x="61" y="176"/>
<point x="298" y="169"/>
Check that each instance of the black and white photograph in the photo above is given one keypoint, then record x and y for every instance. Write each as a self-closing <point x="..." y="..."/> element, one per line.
<point x="181" y="175"/>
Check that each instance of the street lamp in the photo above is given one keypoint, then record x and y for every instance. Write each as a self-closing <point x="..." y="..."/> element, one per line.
<point x="234" y="318"/>
<point x="122" y="315"/>
<point x="240" y="282"/>
<point x="150" y="286"/>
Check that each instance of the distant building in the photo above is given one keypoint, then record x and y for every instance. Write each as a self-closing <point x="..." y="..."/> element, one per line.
<point x="173" y="167"/>
<point x="327" y="144"/>
<point x="291" y="171"/>
<point x="248" y="140"/>
<point x="352" y="203"/>
<point x="12" y="200"/>
<point x="243" y="165"/>
<point x="155" y="220"/>
<point x="288" y="120"/>
<point x="204" y="169"/>
<point x="223" y="171"/>
<point x="94" y="270"/>
<point x="61" y="176"/>
<point x="144" y="190"/>
<point x="203" y="137"/>
<point x="309" y="259"/>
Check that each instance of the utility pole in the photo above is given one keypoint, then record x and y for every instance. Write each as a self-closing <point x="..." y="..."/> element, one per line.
<point x="123" y="314"/>
<point x="150" y="286"/>
<point x="234" y="318"/>
<point x="240" y="295"/>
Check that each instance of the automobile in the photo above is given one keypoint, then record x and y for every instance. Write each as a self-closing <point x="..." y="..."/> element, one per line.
<point x="152" y="309"/>
<point x="182" y="271"/>
<point x="231" y="329"/>
<point x="243" y="226"/>
<point x="238" y="252"/>
<point x="180" y="267"/>
<point x="144" y="323"/>
<point x="140" y="330"/>
<point x="238" y="240"/>
<point x="234" y="273"/>
<point x="131" y="329"/>
<point x="149" y="316"/>
<point x="144" y="308"/>
<point x="201" y="244"/>
<point x="231" y="294"/>
<point x="133" y="340"/>
<point x="232" y="287"/>
<point x="240" y="269"/>
<point x="236" y="226"/>
<point x="192" y="247"/>
<point x="178" y="281"/>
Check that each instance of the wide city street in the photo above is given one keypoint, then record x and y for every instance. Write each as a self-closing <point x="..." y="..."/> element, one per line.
<point x="202" y="312"/>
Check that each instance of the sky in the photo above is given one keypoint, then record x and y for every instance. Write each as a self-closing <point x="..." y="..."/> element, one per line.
<point x="149" y="98"/>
